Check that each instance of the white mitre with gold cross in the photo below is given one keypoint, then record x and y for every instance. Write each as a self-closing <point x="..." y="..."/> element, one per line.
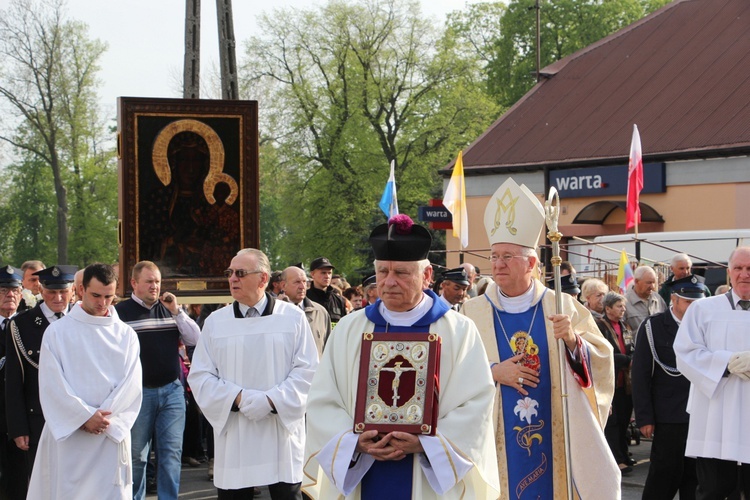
<point x="514" y="215"/>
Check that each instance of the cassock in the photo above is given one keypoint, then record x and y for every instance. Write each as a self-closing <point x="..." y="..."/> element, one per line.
<point x="529" y="432"/>
<point x="719" y="406"/>
<point x="458" y="462"/>
<point x="87" y="363"/>
<point x="274" y="353"/>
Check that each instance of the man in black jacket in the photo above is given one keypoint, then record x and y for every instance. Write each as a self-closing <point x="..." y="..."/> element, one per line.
<point x="321" y="291"/>
<point x="24" y="340"/>
<point x="660" y="395"/>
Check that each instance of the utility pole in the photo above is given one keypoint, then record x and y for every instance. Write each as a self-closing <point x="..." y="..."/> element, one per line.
<point x="191" y="87"/>
<point x="538" y="41"/>
<point x="227" y="57"/>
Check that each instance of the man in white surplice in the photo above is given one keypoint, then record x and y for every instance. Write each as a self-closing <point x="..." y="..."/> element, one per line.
<point x="250" y="375"/>
<point x="713" y="352"/>
<point x="90" y="391"/>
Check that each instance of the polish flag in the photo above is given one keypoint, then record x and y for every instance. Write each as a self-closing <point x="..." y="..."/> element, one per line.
<point x="635" y="182"/>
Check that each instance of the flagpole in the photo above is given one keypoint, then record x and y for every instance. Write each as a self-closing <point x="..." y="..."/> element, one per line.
<point x="552" y="212"/>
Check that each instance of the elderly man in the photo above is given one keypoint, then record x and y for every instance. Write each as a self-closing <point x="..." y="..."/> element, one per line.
<point x="90" y="389"/>
<point x="680" y="266"/>
<point x="471" y="275"/>
<point x="13" y="477"/>
<point x="160" y="324"/>
<point x="642" y="299"/>
<point x="521" y="332"/>
<point x="459" y="459"/>
<point x="592" y="293"/>
<point x="25" y="417"/>
<point x="321" y="290"/>
<point x="294" y="287"/>
<point x="660" y="396"/>
<point x="713" y="352"/>
<point x="250" y="375"/>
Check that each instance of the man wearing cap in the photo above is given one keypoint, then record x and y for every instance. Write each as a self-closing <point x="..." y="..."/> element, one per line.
<point x="568" y="284"/>
<point x="90" y="389"/>
<point x="713" y="353"/>
<point x="370" y="289"/>
<point x="25" y="417"/>
<point x="459" y="459"/>
<point x="294" y="288"/>
<point x="454" y="287"/>
<point x="321" y="291"/>
<point x="521" y="332"/>
<point x="13" y="476"/>
<point x="275" y="285"/>
<point x="660" y="396"/>
<point x="250" y="375"/>
<point x="160" y="324"/>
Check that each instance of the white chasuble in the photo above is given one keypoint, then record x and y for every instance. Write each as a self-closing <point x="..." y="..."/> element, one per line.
<point x="595" y="472"/>
<point x="275" y="354"/>
<point x="87" y="363"/>
<point x="463" y="426"/>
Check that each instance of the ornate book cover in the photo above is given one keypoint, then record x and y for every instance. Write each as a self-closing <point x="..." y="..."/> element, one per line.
<point x="398" y="383"/>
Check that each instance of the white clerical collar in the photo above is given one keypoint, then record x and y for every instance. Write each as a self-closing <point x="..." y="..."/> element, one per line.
<point x="260" y="306"/>
<point x="407" y="318"/>
<point x="519" y="304"/>
<point x="49" y="314"/>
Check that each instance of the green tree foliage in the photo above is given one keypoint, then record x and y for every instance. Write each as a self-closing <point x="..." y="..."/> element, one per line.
<point x="349" y="87"/>
<point x="566" y="27"/>
<point x="48" y="68"/>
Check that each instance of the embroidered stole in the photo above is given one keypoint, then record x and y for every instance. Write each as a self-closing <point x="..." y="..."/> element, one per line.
<point x="527" y="419"/>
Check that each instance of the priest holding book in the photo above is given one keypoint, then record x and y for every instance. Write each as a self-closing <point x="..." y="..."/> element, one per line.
<point x="453" y="456"/>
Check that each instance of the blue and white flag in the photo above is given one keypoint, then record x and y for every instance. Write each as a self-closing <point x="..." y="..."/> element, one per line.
<point x="389" y="201"/>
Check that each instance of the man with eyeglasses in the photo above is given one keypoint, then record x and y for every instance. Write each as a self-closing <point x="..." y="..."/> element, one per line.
<point x="250" y="375"/>
<point x="24" y="337"/>
<point x="13" y="475"/>
<point x="160" y="324"/>
<point x="520" y="330"/>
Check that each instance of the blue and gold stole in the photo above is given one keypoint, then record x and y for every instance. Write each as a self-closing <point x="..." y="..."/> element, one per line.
<point x="527" y="419"/>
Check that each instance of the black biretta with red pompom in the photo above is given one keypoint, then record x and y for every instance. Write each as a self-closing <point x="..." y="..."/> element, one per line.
<point x="400" y="240"/>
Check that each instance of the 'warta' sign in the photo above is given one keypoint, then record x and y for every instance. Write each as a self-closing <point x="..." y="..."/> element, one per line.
<point x="606" y="181"/>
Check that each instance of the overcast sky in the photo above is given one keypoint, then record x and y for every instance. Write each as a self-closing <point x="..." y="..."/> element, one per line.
<point x="146" y="39"/>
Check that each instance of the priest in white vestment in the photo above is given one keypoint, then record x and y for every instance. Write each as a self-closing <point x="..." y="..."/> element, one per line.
<point x="90" y="391"/>
<point x="713" y="351"/>
<point x="520" y="329"/>
<point x="250" y="375"/>
<point x="459" y="460"/>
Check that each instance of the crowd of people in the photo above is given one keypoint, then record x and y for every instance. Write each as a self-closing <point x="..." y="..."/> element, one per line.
<point x="531" y="395"/>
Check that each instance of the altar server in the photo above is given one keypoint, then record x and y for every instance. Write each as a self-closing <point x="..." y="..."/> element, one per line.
<point x="250" y="375"/>
<point x="90" y="390"/>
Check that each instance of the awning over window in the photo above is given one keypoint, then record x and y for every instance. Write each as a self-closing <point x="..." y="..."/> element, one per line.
<point x="597" y="212"/>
